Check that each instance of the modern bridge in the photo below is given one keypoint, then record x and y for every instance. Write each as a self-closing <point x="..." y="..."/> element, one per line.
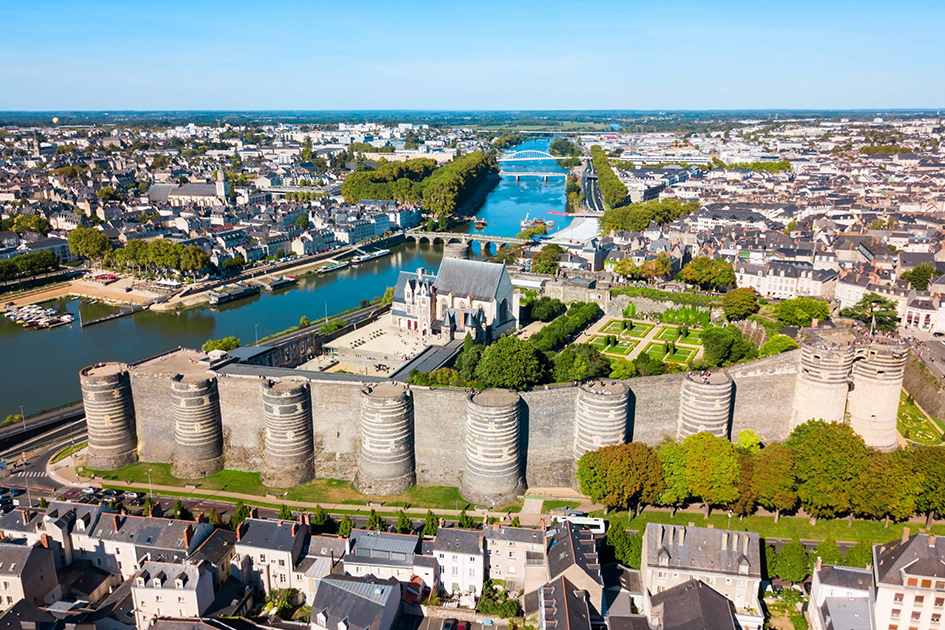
<point x="530" y="155"/>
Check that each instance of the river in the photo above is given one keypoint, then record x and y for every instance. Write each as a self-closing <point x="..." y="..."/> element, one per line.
<point x="40" y="367"/>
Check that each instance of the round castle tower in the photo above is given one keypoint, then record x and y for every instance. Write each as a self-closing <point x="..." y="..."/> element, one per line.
<point x="705" y="405"/>
<point x="601" y="415"/>
<point x="386" y="464"/>
<point x="198" y="428"/>
<point x="289" y="445"/>
<point x="493" y="472"/>
<point x="822" y="382"/>
<point x="110" y="416"/>
<point x="874" y="401"/>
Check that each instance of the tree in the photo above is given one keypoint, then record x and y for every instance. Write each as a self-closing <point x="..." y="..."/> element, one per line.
<point x="749" y="442"/>
<point x="874" y="305"/>
<point x="578" y="362"/>
<point x="920" y="275"/>
<point x="792" y="564"/>
<point x="226" y="344"/>
<point x="345" y="526"/>
<point x="546" y="261"/>
<point x="149" y="506"/>
<point x="192" y="259"/>
<point x="740" y="303"/>
<point x="745" y="504"/>
<point x="802" y="311"/>
<point x="621" y="475"/>
<point x="468" y="359"/>
<point x="404" y="524"/>
<point x="108" y="193"/>
<point x="320" y="518"/>
<point x="929" y="467"/>
<point x="466" y="522"/>
<point x="375" y="522"/>
<point x="304" y="322"/>
<point x="285" y="514"/>
<point x="181" y="512"/>
<point x="887" y="487"/>
<point x="627" y="549"/>
<point x="622" y="369"/>
<point x="430" y="524"/>
<point x="859" y="556"/>
<point x="709" y="273"/>
<point x="773" y="481"/>
<point x="214" y="518"/>
<point x="828" y="459"/>
<point x="510" y="363"/>
<point x="672" y="458"/>
<point x="545" y="309"/>
<point x="777" y="345"/>
<point x="725" y="346"/>
<point x="515" y="522"/>
<point x="31" y="223"/>
<point x="712" y="469"/>
<point x="241" y="512"/>
<point x="89" y="243"/>
<point x="828" y="552"/>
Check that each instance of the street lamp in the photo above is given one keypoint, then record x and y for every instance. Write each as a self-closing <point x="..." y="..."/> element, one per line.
<point x="23" y="417"/>
<point x="257" y="334"/>
<point x="150" y="487"/>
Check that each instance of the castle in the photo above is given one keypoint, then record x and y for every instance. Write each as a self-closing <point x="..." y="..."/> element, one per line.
<point x="291" y="425"/>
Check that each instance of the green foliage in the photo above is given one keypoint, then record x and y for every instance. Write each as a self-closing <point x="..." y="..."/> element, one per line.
<point x="673" y="461"/>
<point x="859" y="556"/>
<point x="231" y="265"/>
<point x="164" y="254"/>
<point x="749" y="441"/>
<point x="345" y="526"/>
<point x="304" y="322"/>
<point x="507" y="140"/>
<point x="773" y="481"/>
<point x="440" y="377"/>
<point x="367" y="147"/>
<point x="828" y="459"/>
<point x="762" y="167"/>
<point x="497" y="603"/>
<point x="740" y="303"/>
<point x="468" y="359"/>
<point x="375" y="522"/>
<point x="89" y="243"/>
<point x="637" y="216"/>
<point x="321" y="519"/>
<point x="333" y="326"/>
<point x="622" y="475"/>
<point x="21" y="223"/>
<point x="929" y="466"/>
<point x="241" y="512"/>
<point x="285" y="513"/>
<point x="563" y="329"/>
<point x="455" y="183"/>
<point x="622" y="369"/>
<point x="515" y="522"/>
<point x="511" y="363"/>
<point x="302" y="221"/>
<point x="920" y="276"/>
<point x="578" y="362"/>
<point x="70" y="171"/>
<point x="884" y="149"/>
<point x="802" y="311"/>
<point x="430" y="524"/>
<point x="887" y="486"/>
<point x="627" y="549"/>
<point x="404" y="524"/>
<point x="725" y="346"/>
<point x="777" y="345"/>
<point x="686" y="315"/>
<point x="532" y="232"/>
<point x="709" y="273"/>
<point x="545" y="309"/>
<point x="828" y="552"/>
<point x="662" y="265"/>
<point x="792" y="563"/>
<point x="465" y="521"/>
<point x="874" y="305"/>
<point x="226" y="344"/>
<point x="712" y="468"/>
<point x="613" y="190"/>
<point x="692" y="299"/>
<point x="28" y="265"/>
<point x="398" y="181"/>
<point x="546" y="261"/>
<point x="108" y="193"/>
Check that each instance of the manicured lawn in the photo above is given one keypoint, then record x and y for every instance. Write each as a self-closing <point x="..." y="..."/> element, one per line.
<point x="787" y="527"/>
<point x="614" y="327"/>
<point x="671" y="333"/>
<point x="639" y="330"/>
<point x="657" y="351"/>
<point x="914" y="425"/>
<point x="549" y="506"/>
<point x="598" y="342"/>
<point x="622" y="348"/>
<point x="634" y="329"/>
<point x="317" y="491"/>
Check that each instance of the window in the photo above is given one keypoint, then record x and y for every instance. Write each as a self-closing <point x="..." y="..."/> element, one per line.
<point x="939" y="602"/>
<point x="895" y="613"/>
<point x="472" y="571"/>
<point x="6" y="586"/>
<point x="281" y="563"/>
<point x="936" y="617"/>
<point x="282" y="578"/>
<point x="262" y="557"/>
<point x="180" y="600"/>
<point x="916" y="615"/>
<point x="926" y="583"/>
<point x="912" y="582"/>
<point x="661" y="575"/>
<point x="939" y="586"/>
<point x="455" y="570"/>
<point x="919" y="600"/>
<point x="893" y="627"/>
<point x="898" y="598"/>
<point x="512" y="554"/>
<point x="512" y="569"/>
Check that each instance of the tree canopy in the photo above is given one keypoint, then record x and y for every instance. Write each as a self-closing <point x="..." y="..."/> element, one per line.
<point x="740" y="303"/>
<point x="802" y="311"/>
<point x="511" y="363"/>
<point x="709" y="273"/>
<point x="874" y="305"/>
<point x="622" y="475"/>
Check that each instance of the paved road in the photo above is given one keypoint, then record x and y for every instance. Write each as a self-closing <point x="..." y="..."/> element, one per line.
<point x="931" y="349"/>
<point x="592" y="196"/>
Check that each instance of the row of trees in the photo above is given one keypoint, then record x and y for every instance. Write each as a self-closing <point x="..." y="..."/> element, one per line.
<point x="660" y="266"/>
<point x="21" y="223"/>
<point x="159" y="254"/>
<point x="824" y="468"/>
<point x="28" y="265"/>
<point x="397" y="181"/>
<point x="709" y="273"/>
<point x="636" y="217"/>
<point x="453" y="184"/>
<point x="611" y="188"/>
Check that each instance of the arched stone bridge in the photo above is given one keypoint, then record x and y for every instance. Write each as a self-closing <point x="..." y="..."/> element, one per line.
<point x="486" y="242"/>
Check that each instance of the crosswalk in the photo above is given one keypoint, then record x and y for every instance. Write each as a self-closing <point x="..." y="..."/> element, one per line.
<point x="31" y="474"/>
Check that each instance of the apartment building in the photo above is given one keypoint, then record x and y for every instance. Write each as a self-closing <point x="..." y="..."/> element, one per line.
<point x="165" y="589"/>
<point x="909" y="577"/>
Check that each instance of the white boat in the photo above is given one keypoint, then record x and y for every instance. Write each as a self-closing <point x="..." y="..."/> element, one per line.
<point x="366" y="257"/>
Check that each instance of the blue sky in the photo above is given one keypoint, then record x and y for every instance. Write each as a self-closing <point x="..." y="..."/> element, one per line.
<point x="362" y="54"/>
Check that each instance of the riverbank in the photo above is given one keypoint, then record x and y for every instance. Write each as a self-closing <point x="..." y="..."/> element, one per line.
<point x="117" y="293"/>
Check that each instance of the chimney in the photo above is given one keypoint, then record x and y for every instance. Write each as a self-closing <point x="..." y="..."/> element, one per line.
<point x="116" y="522"/>
<point x="44" y="540"/>
<point x="188" y="534"/>
<point x="254" y="512"/>
<point x="301" y="517"/>
<point x="932" y="540"/>
<point x="820" y="562"/>
<point x="682" y="535"/>
<point x="239" y="532"/>
<point x="724" y="541"/>
<point x="201" y="518"/>
<point x="745" y="546"/>
<point x="905" y="534"/>
<point x="659" y="537"/>
<point x="26" y="517"/>
<point x="295" y="528"/>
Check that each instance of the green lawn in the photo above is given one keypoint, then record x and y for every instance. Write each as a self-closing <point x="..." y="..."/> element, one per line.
<point x="623" y="347"/>
<point x="914" y="425"/>
<point x="633" y="329"/>
<point x="693" y="338"/>
<point x="682" y="355"/>
<point x="787" y="527"/>
<point x="598" y="342"/>
<point x="639" y="329"/>
<point x="548" y="506"/>
<point x="671" y="333"/>
<point x="317" y="491"/>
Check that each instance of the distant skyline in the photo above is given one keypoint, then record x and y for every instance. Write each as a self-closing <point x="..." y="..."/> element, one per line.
<point x="421" y="55"/>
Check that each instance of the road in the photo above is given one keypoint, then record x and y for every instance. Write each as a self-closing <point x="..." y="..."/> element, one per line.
<point x="592" y="196"/>
<point x="930" y="348"/>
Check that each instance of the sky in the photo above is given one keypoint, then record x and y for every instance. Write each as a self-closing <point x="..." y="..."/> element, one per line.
<point x="471" y="55"/>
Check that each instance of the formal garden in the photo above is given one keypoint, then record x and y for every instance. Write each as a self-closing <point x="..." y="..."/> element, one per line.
<point x="915" y="425"/>
<point x="627" y="327"/>
<point x="669" y="351"/>
<point x="678" y="344"/>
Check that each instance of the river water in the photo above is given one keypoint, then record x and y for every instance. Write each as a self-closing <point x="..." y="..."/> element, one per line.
<point x="39" y="368"/>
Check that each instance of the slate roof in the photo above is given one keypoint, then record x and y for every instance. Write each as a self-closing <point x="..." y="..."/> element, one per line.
<point x="23" y="615"/>
<point x="565" y="607"/>
<point x="703" y="549"/>
<point x="148" y="534"/>
<point x="570" y="545"/>
<point x="269" y="534"/>
<point x="451" y="540"/>
<point x="693" y="605"/>
<point x="358" y="601"/>
<point x="921" y="555"/>
<point x="847" y="613"/>
<point x="382" y="548"/>
<point x="481" y="280"/>
<point x="846" y="577"/>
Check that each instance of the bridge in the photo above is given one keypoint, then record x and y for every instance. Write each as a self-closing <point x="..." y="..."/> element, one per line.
<point x="530" y="155"/>
<point x="517" y="175"/>
<point x="486" y="242"/>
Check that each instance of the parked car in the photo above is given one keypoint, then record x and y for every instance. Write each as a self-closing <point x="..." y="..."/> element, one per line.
<point x="90" y="491"/>
<point x="449" y="624"/>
